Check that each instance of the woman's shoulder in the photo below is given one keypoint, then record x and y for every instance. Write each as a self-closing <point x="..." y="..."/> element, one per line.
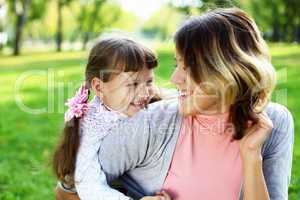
<point x="282" y="135"/>
<point x="277" y="111"/>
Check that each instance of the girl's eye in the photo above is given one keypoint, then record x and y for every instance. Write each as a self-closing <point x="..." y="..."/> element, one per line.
<point x="149" y="83"/>
<point x="133" y="85"/>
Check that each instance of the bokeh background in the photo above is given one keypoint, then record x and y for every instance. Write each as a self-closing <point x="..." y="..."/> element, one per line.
<point x="43" y="50"/>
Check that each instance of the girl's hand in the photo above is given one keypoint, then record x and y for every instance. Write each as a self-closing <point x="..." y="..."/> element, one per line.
<point x="251" y="143"/>
<point x="159" y="196"/>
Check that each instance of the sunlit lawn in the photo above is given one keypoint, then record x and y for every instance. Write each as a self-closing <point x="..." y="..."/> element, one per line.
<point x="31" y="105"/>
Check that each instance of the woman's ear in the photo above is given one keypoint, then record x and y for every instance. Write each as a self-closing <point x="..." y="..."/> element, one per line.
<point x="97" y="86"/>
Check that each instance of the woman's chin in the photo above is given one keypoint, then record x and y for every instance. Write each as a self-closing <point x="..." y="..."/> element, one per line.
<point x="184" y="110"/>
<point x="188" y="108"/>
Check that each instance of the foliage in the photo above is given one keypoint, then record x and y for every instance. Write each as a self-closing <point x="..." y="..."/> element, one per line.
<point x="27" y="140"/>
<point x="163" y="23"/>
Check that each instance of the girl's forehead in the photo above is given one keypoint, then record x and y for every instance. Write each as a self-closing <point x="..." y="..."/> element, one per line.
<point x="127" y="77"/>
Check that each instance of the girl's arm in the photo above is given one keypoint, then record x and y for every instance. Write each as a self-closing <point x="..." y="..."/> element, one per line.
<point x="90" y="180"/>
<point x="93" y="185"/>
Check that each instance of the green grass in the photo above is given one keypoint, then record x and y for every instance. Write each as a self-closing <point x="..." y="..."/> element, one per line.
<point x="27" y="140"/>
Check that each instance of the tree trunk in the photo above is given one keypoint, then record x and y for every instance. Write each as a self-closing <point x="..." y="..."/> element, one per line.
<point x="275" y="24"/>
<point x="86" y="37"/>
<point x="21" y="13"/>
<point x="297" y="34"/>
<point x="59" y="33"/>
<point x="91" y="24"/>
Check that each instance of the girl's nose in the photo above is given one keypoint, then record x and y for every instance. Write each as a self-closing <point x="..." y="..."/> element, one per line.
<point x="144" y="92"/>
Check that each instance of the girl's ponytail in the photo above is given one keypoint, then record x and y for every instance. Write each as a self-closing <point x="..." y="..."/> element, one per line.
<point x="65" y="154"/>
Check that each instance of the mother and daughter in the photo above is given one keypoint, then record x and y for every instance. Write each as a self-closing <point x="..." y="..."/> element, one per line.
<point x="221" y="139"/>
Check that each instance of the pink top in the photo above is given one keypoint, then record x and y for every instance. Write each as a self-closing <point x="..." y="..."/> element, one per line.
<point x="206" y="164"/>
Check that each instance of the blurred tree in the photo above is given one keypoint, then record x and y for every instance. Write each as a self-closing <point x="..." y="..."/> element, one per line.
<point x="20" y="10"/>
<point x="88" y="18"/>
<point x="3" y="9"/>
<point x="292" y="21"/>
<point x="95" y="17"/>
<point x="189" y="7"/>
<point x="59" y="31"/>
<point x="279" y="19"/>
<point x="163" y="23"/>
<point x="24" y="11"/>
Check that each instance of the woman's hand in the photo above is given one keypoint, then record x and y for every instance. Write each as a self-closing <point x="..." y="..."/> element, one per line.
<point x="256" y="135"/>
<point x="159" y="196"/>
<point x="250" y="148"/>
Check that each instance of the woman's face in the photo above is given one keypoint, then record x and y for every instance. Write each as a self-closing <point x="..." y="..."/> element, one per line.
<point x="192" y="97"/>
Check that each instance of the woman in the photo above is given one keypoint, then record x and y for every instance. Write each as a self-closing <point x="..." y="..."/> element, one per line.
<point x="222" y="136"/>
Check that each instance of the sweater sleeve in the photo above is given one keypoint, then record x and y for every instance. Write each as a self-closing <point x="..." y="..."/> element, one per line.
<point x="125" y="149"/>
<point x="141" y="148"/>
<point x="278" y="152"/>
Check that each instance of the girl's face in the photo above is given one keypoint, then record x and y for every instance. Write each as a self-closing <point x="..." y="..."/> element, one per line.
<point x="192" y="97"/>
<point x="127" y="92"/>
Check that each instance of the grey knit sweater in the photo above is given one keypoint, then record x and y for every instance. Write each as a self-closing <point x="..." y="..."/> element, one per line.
<point x="140" y="150"/>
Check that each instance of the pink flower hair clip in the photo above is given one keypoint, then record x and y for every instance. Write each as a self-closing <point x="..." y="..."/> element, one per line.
<point x="78" y="104"/>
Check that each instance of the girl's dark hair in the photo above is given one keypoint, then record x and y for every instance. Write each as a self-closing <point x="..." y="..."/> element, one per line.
<point x="109" y="56"/>
<point x="224" y="47"/>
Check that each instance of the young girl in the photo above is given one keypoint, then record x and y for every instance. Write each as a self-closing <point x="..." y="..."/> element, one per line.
<point x="120" y="73"/>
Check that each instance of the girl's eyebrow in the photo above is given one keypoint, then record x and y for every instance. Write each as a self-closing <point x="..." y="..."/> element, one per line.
<point x="150" y="79"/>
<point x="130" y="80"/>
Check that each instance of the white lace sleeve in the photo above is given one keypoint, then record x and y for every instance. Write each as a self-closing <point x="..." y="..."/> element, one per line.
<point x="90" y="180"/>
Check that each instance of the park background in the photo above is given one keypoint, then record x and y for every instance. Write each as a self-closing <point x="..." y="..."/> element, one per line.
<point x="43" y="51"/>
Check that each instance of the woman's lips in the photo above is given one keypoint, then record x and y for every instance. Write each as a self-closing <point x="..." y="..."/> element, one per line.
<point x="185" y="93"/>
<point x="182" y="94"/>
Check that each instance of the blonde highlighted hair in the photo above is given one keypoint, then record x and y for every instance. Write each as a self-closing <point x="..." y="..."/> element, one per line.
<point x="224" y="47"/>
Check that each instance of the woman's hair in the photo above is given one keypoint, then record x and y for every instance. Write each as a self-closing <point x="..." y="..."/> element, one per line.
<point x="224" y="48"/>
<point x="110" y="56"/>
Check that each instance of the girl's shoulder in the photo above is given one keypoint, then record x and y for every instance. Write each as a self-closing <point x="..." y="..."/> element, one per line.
<point x="98" y="120"/>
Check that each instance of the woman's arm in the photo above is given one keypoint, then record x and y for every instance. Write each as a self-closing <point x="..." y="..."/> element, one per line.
<point x="250" y="148"/>
<point x="267" y="174"/>
<point x="254" y="182"/>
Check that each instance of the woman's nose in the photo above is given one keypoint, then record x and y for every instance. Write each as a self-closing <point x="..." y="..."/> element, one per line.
<point x="177" y="77"/>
